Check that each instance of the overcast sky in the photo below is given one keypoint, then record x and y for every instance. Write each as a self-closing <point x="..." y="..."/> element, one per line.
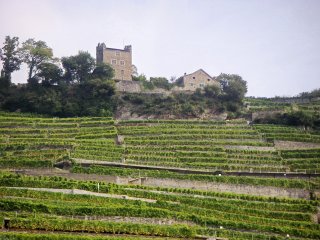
<point x="273" y="44"/>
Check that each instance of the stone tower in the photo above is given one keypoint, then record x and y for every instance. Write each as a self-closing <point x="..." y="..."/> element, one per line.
<point x="119" y="59"/>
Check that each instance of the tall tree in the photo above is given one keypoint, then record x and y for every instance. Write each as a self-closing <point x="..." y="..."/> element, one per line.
<point x="10" y="57"/>
<point x="103" y="71"/>
<point x="134" y="70"/>
<point x="233" y="86"/>
<point x="78" y="68"/>
<point x="34" y="53"/>
<point x="49" y="73"/>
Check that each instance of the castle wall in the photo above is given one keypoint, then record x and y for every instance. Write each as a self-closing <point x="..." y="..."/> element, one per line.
<point x="121" y="61"/>
<point x="128" y="86"/>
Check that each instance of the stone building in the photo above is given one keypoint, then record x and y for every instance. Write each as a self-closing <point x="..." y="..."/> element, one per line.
<point x="119" y="59"/>
<point x="197" y="79"/>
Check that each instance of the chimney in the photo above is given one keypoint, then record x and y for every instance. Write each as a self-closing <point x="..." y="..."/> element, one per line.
<point x="128" y="48"/>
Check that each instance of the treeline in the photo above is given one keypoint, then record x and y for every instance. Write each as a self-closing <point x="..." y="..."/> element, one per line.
<point x="70" y="86"/>
<point x="77" y="86"/>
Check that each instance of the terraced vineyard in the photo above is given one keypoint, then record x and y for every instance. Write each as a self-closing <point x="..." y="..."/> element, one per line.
<point x="260" y="104"/>
<point x="182" y="213"/>
<point x="276" y="132"/>
<point x="228" y="179"/>
<point x="41" y="142"/>
<point x="273" y="104"/>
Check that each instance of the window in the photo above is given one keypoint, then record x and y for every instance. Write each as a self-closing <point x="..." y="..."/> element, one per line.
<point x="122" y="62"/>
<point x="191" y="84"/>
<point x="113" y="61"/>
<point x="117" y="53"/>
<point x="201" y="85"/>
<point x="194" y="77"/>
<point x="122" y="74"/>
<point x="208" y="79"/>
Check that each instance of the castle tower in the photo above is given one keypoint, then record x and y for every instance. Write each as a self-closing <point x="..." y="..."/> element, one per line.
<point x="119" y="59"/>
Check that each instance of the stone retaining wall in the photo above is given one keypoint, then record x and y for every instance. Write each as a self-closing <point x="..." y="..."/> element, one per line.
<point x="176" y="183"/>
<point x="234" y="188"/>
<point x="128" y="86"/>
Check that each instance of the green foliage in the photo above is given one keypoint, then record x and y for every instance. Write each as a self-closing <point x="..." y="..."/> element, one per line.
<point x="84" y="89"/>
<point x="192" y="144"/>
<point x="49" y="74"/>
<point x="292" y="118"/>
<point x="180" y="105"/>
<point x="286" y="183"/>
<point x="78" y="68"/>
<point x="233" y="86"/>
<point x="95" y="98"/>
<point x="57" y="236"/>
<point x="179" y="82"/>
<point x="299" y="118"/>
<point x="140" y="78"/>
<point x="92" y="94"/>
<point x="70" y="91"/>
<point x="33" y="53"/>
<point x="313" y="94"/>
<point x="302" y="110"/>
<point x="143" y="81"/>
<point x="238" y="214"/>
<point x="153" y="82"/>
<point x="187" y="105"/>
<point x="103" y="227"/>
<point x="161" y="82"/>
<point x="103" y="71"/>
<point x="10" y="57"/>
<point x="212" y="91"/>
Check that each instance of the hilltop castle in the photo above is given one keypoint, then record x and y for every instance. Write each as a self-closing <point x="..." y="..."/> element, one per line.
<point x="119" y="59"/>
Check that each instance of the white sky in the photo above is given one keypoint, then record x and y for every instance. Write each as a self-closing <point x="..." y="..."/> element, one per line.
<point x="273" y="44"/>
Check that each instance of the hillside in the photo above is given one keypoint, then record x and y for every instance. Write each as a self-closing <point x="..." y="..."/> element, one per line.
<point x="299" y="111"/>
<point x="193" y="179"/>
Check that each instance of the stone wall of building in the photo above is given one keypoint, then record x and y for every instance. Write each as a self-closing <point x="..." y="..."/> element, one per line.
<point x="198" y="79"/>
<point x="119" y="59"/>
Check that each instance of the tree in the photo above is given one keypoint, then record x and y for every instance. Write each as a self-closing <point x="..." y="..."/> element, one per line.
<point x="161" y="82"/>
<point x="103" y="71"/>
<point x="49" y="73"/>
<point x="96" y="97"/>
<point x="140" y="78"/>
<point x="299" y="118"/>
<point x="233" y="86"/>
<point x="134" y="70"/>
<point x="78" y="68"/>
<point x="212" y="91"/>
<point x="10" y="57"/>
<point x="34" y="53"/>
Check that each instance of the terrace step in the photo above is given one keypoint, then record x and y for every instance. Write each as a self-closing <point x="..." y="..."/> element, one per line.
<point x="88" y="163"/>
